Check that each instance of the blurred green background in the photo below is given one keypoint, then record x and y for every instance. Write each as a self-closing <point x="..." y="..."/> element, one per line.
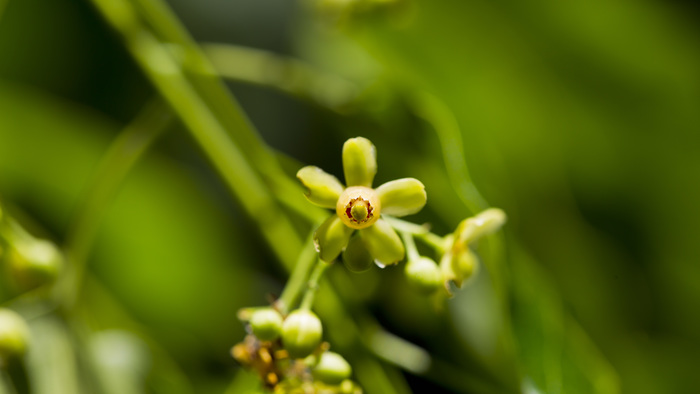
<point x="580" y="120"/>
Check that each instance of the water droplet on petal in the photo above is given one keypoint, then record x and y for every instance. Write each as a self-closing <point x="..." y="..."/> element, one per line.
<point x="379" y="264"/>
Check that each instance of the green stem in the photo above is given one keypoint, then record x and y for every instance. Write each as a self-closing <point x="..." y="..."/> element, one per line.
<point x="167" y="75"/>
<point x="120" y="158"/>
<point x="299" y="277"/>
<point x="211" y="90"/>
<point x="410" y="244"/>
<point x="312" y="286"/>
<point x="286" y="74"/>
<point x="439" y="116"/>
<point x="419" y="231"/>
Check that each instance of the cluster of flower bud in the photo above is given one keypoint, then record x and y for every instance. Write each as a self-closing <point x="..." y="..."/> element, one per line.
<point x="458" y="261"/>
<point x="288" y="353"/>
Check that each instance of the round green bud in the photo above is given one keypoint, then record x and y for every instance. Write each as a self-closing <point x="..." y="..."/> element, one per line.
<point x="266" y="324"/>
<point x="301" y="333"/>
<point x="356" y="257"/>
<point x="35" y="263"/>
<point x="466" y="263"/>
<point x="424" y="274"/>
<point x="14" y="335"/>
<point x="332" y="369"/>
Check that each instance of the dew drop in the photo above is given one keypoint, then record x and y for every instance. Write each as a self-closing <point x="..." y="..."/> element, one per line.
<point x="379" y="264"/>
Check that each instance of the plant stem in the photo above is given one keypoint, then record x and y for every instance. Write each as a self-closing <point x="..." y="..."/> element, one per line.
<point x="419" y="231"/>
<point x="210" y="89"/>
<point x="411" y="250"/>
<point x="439" y="116"/>
<point x="312" y="286"/>
<point x="299" y="277"/>
<point x="120" y="158"/>
<point x="289" y="75"/>
<point x="167" y="75"/>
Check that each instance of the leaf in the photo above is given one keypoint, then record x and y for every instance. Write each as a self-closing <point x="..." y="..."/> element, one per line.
<point x="555" y="353"/>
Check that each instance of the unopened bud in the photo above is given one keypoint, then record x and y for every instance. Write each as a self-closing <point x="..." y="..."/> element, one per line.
<point x="266" y="324"/>
<point x="332" y="368"/>
<point x="35" y="263"/>
<point x="424" y="274"/>
<point x="301" y="333"/>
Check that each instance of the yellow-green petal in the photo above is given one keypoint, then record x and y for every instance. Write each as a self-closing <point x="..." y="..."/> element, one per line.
<point x="359" y="162"/>
<point x="402" y="197"/>
<point x="486" y="222"/>
<point x="331" y="238"/>
<point x="322" y="188"/>
<point x="459" y="266"/>
<point x="383" y="243"/>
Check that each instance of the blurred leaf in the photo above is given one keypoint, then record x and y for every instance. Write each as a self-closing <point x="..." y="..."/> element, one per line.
<point x="177" y="257"/>
<point x="52" y="363"/>
<point x="556" y="355"/>
<point x="245" y="382"/>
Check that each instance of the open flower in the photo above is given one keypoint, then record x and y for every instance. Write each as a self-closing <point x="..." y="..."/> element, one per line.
<point x="359" y="207"/>
<point x="459" y="261"/>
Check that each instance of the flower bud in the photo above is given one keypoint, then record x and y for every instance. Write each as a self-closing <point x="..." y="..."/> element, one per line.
<point x="266" y="324"/>
<point x="34" y="263"/>
<point x="424" y="274"/>
<point x="459" y="266"/>
<point x="332" y="369"/>
<point x="301" y="333"/>
<point x="356" y="256"/>
<point x="14" y="335"/>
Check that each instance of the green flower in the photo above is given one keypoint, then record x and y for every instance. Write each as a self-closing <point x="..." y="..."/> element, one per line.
<point x="459" y="262"/>
<point x="359" y="207"/>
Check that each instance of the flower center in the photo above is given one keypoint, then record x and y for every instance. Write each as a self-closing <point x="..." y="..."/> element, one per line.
<point x="359" y="210"/>
<point x="358" y="207"/>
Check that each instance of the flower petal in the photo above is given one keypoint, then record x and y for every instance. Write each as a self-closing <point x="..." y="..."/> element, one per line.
<point x="322" y="188"/>
<point x="485" y="223"/>
<point x="383" y="243"/>
<point x="402" y="197"/>
<point x="359" y="162"/>
<point x="459" y="266"/>
<point x="331" y="237"/>
<point x="356" y="256"/>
